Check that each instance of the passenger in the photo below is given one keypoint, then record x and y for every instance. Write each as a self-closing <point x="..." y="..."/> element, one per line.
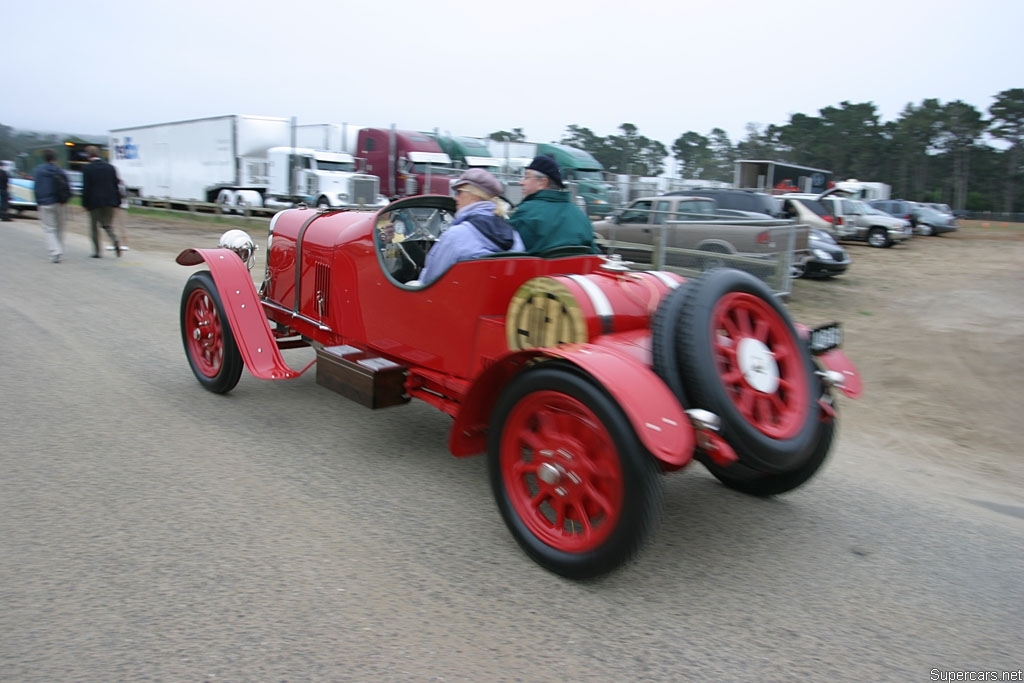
<point x="546" y="218"/>
<point x="479" y="227"/>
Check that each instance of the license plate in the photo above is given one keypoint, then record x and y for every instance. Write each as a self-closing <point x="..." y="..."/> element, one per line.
<point x="826" y="337"/>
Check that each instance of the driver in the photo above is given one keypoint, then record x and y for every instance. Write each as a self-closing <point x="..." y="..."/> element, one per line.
<point x="479" y="227"/>
<point x="386" y="233"/>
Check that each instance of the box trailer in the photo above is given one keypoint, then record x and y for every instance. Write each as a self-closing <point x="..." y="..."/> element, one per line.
<point x="228" y="160"/>
<point x="331" y="137"/>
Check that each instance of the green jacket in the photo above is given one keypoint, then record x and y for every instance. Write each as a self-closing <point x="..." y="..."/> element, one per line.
<point x="547" y="219"/>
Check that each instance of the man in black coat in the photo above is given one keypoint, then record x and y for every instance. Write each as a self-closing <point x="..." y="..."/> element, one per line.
<point x="101" y="193"/>
<point x="4" y="197"/>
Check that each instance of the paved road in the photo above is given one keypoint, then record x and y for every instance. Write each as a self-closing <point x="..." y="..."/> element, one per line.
<point x="152" y="531"/>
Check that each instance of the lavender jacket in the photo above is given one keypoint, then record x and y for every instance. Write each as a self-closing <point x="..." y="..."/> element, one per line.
<point x="475" y="232"/>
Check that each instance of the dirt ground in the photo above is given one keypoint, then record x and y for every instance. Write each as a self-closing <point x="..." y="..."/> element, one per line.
<point x="935" y="326"/>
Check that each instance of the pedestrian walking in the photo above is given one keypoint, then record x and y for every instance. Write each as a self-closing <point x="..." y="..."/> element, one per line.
<point x="101" y="194"/>
<point x="53" y="190"/>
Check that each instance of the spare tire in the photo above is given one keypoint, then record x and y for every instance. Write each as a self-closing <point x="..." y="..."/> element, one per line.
<point x="738" y="355"/>
<point x="664" y="330"/>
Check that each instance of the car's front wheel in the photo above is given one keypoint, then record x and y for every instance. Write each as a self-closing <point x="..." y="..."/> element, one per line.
<point x="209" y="342"/>
<point x="571" y="479"/>
<point x="878" y="238"/>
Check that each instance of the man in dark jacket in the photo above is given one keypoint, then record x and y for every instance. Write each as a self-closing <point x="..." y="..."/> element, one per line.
<point x="52" y="208"/>
<point x="547" y="218"/>
<point x="101" y="193"/>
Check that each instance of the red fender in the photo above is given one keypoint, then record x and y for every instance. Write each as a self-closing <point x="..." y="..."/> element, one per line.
<point x="244" y="312"/>
<point x="656" y="415"/>
<point x="837" y="361"/>
<point x="852" y="384"/>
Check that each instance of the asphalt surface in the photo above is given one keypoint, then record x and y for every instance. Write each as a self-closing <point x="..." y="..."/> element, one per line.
<point x="152" y="531"/>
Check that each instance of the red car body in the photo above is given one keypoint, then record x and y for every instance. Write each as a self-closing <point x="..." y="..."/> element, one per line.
<point x="575" y="374"/>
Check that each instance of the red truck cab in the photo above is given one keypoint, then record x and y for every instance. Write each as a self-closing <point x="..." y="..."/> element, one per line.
<point x="408" y="163"/>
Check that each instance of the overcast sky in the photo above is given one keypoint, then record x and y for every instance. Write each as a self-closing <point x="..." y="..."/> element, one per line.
<point x="666" y="66"/>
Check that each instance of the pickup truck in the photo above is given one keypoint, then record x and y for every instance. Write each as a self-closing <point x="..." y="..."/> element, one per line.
<point x="696" y="224"/>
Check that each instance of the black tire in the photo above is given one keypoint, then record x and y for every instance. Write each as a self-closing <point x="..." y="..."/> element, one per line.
<point x="560" y="452"/>
<point x="879" y="238"/>
<point x="323" y="203"/>
<point x="664" y="330"/>
<point x="206" y="334"/>
<point x="744" y="479"/>
<point x="741" y="358"/>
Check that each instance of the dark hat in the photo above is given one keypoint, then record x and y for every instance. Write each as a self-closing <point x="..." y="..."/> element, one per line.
<point x="547" y="165"/>
<point x="482" y="179"/>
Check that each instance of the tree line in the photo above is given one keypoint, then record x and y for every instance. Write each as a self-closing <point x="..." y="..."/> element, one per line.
<point x="950" y="153"/>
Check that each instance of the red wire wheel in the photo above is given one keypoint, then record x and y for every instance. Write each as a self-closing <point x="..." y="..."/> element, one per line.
<point x="575" y="487"/>
<point x="562" y="472"/>
<point x="209" y="343"/>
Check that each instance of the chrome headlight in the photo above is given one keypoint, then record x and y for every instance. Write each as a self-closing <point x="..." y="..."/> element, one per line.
<point x="239" y="242"/>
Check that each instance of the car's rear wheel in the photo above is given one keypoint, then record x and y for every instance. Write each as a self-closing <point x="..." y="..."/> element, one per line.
<point x="925" y="229"/>
<point x="878" y="238"/>
<point x="571" y="479"/>
<point x="209" y="342"/>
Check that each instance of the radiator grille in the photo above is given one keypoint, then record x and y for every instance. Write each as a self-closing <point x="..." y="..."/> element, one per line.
<point x="365" y="189"/>
<point x="322" y="288"/>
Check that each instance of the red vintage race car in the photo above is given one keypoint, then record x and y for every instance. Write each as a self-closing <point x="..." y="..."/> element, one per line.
<point x="583" y="380"/>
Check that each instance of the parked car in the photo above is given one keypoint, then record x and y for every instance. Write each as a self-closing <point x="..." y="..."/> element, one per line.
<point x="853" y="219"/>
<point x="900" y="208"/>
<point x="735" y="199"/>
<point x="827" y="257"/>
<point x="868" y="217"/>
<point x="941" y="208"/>
<point x="582" y="380"/>
<point x="22" y="194"/>
<point x="933" y="222"/>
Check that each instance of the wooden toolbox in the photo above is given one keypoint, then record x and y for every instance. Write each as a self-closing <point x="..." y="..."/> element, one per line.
<point x="359" y="375"/>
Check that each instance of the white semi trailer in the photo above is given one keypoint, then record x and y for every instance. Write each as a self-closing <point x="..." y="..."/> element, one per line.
<point x="236" y="161"/>
<point x="332" y="137"/>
